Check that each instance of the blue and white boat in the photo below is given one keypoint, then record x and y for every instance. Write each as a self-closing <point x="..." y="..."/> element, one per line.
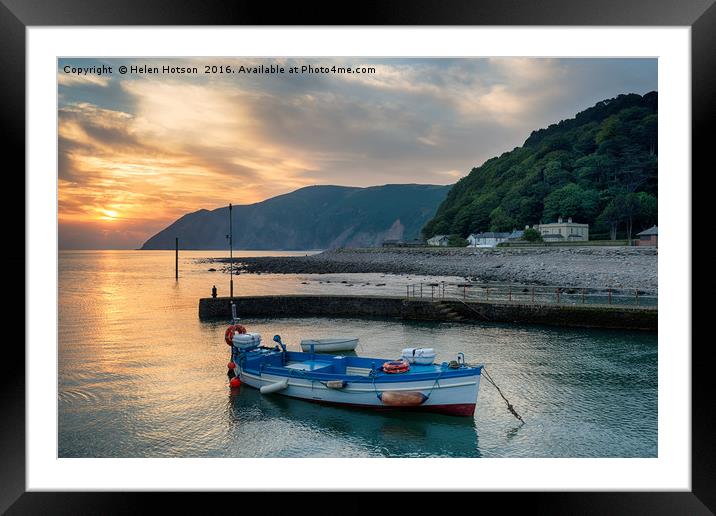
<point x="377" y="383"/>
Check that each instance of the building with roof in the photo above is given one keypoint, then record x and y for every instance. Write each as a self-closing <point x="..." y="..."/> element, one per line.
<point x="561" y="231"/>
<point x="648" y="236"/>
<point x="439" y="240"/>
<point x="487" y="239"/>
<point x="517" y="234"/>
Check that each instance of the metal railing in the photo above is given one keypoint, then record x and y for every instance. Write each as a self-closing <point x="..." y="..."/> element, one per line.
<point x="533" y="294"/>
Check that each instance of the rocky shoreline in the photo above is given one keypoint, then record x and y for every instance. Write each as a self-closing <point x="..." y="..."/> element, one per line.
<point x="595" y="267"/>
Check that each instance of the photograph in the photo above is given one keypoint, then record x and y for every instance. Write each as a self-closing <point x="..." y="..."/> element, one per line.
<point x="430" y="250"/>
<point x="357" y="257"/>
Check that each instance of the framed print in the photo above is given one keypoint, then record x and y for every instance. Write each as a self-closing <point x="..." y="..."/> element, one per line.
<point x="276" y="252"/>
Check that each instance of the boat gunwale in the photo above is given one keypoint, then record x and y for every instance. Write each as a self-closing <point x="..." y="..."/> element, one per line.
<point x="259" y="377"/>
<point x="436" y="373"/>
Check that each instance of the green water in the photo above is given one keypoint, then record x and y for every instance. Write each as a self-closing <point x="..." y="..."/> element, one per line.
<point x="141" y="376"/>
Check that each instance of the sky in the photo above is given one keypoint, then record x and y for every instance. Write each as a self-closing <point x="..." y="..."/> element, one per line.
<point x="136" y="151"/>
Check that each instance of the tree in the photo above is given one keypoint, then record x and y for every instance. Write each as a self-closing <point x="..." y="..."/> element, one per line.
<point x="650" y="133"/>
<point x="571" y="201"/>
<point x="554" y="174"/>
<point x="629" y="204"/>
<point x="593" y="170"/>
<point x="500" y="221"/>
<point x="476" y="215"/>
<point x="612" y="216"/>
<point x="648" y="210"/>
<point x="608" y="130"/>
<point x="457" y="241"/>
<point x="532" y="235"/>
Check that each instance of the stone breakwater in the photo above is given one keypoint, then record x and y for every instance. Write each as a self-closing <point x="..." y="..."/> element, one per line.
<point x="614" y="317"/>
<point x="617" y="267"/>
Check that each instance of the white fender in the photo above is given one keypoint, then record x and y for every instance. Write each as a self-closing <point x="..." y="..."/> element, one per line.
<point x="274" y="387"/>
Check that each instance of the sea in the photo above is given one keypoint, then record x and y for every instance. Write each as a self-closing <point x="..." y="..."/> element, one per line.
<point x="140" y="375"/>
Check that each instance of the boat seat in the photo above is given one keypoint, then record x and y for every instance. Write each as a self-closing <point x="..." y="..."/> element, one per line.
<point x="320" y="367"/>
<point x="358" y="371"/>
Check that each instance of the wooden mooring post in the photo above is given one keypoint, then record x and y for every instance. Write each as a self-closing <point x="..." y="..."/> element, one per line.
<point x="176" y="258"/>
<point x="231" y="256"/>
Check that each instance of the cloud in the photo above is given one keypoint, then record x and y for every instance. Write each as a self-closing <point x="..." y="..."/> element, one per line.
<point x="146" y="150"/>
<point x="75" y="80"/>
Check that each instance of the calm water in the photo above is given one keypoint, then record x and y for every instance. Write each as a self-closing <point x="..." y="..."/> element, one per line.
<point x="141" y="376"/>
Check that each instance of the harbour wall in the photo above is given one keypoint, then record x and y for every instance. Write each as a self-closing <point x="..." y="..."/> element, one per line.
<point x="580" y="316"/>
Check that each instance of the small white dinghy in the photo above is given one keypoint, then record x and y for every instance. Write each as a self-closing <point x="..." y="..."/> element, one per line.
<point x="329" y="345"/>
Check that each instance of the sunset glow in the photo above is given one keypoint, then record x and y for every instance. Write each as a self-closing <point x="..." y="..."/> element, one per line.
<point x="109" y="215"/>
<point x="136" y="152"/>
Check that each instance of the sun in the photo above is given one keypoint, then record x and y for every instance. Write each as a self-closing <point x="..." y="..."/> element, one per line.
<point x="109" y="215"/>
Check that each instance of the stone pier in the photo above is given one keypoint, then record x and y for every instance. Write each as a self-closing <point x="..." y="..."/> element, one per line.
<point x="566" y="315"/>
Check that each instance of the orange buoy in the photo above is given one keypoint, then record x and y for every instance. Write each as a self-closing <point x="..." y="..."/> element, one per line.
<point x="396" y="366"/>
<point x="231" y="365"/>
<point x="235" y="382"/>
<point x="231" y="331"/>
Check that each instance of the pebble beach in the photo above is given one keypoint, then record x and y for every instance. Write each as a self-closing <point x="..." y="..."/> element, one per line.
<point x="593" y="267"/>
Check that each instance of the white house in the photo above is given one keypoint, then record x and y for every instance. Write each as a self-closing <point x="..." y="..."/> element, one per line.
<point x="439" y="240"/>
<point x="489" y="239"/>
<point x="563" y="231"/>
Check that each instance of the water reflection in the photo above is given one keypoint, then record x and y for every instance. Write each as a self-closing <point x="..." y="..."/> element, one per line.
<point x="141" y="376"/>
<point x="391" y="434"/>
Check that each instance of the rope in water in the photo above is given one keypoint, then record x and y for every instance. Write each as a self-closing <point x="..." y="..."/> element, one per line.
<point x="509" y="405"/>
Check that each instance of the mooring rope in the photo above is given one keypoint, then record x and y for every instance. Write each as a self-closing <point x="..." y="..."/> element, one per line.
<point x="377" y="394"/>
<point x="509" y="405"/>
<point x="435" y="383"/>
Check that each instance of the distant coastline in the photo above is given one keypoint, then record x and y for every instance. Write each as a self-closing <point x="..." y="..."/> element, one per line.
<point x="223" y="251"/>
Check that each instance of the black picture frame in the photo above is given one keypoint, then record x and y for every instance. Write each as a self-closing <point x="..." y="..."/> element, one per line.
<point x="17" y="15"/>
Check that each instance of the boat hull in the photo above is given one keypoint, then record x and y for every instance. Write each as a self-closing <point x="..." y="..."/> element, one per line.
<point x="453" y="396"/>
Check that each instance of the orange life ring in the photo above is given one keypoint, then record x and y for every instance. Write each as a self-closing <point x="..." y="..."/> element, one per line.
<point x="231" y="331"/>
<point x="396" y="366"/>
